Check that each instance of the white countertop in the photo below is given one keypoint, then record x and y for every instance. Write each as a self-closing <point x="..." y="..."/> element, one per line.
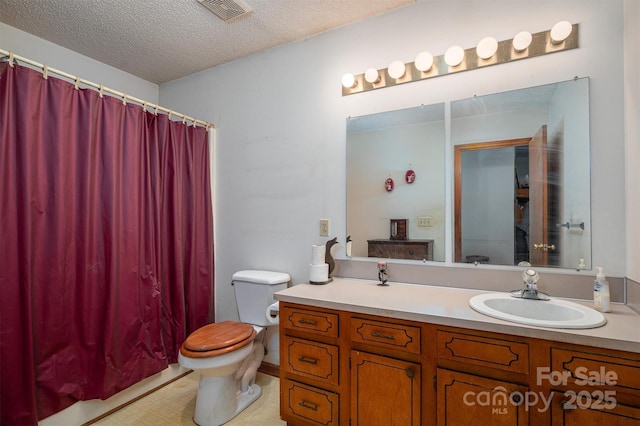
<point x="449" y="306"/>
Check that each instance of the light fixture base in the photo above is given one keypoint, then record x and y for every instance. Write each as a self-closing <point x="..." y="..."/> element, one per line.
<point x="541" y="44"/>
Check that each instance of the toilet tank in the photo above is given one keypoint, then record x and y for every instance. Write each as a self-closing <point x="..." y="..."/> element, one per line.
<point x="254" y="293"/>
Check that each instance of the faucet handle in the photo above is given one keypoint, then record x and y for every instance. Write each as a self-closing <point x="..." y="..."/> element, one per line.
<point x="383" y="273"/>
<point x="530" y="277"/>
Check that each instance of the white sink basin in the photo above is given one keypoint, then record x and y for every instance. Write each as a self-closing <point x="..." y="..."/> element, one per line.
<point x="554" y="313"/>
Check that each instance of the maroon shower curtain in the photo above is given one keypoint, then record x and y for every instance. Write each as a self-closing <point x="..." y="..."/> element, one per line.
<point x="106" y="243"/>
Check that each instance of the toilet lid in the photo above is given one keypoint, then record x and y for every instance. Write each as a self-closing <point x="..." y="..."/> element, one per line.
<point x="219" y="335"/>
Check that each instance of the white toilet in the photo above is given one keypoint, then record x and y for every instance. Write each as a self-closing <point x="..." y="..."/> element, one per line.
<point x="227" y="354"/>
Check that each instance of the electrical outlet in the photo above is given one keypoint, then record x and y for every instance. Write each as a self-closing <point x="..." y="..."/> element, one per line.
<point x="324" y="227"/>
<point x="425" y="222"/>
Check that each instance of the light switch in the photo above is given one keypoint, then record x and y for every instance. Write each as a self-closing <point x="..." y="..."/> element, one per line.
<point x="425" y="222"/>
<point x="324" y="227"/>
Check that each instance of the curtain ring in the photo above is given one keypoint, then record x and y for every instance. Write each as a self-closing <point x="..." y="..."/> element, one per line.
<point x="77" y="85"/>
<point x="101" y="91"/>
<point x="45" y="72"/>
<point x="124" y="99"/>
<point x="11" y="59"/>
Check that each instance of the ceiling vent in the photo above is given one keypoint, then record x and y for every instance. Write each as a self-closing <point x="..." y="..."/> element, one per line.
<point x="227" y="10"/>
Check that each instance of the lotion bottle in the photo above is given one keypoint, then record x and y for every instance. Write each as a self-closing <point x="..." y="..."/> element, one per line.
<point x="601" y="295"/>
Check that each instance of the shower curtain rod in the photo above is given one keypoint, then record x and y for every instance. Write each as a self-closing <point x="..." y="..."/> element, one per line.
<point x="101" y="88"/>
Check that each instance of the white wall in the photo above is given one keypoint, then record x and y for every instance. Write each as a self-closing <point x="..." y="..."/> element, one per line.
<point x="570" y="105"/>
<point x="54" y="56"/>
<point x="632" y="134"/>
<point x="377" y="155"/>
<point x="280" y="118"/>
<point x="487" y="194"/>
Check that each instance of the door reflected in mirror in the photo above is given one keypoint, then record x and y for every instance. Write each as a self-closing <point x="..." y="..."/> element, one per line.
<point x="396" y="176"/>
<point x="522" y="177"/>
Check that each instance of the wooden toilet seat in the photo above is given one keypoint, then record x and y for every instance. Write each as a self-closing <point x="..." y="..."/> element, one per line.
<point x="217" y="339"/>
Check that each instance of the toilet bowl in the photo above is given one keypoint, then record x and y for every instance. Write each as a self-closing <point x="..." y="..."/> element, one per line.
<point x="227" y="354"/>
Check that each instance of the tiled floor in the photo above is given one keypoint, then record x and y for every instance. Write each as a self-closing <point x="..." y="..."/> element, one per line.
<point x="174" y="404"/>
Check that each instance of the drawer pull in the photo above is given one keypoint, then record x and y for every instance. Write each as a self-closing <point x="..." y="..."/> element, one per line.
<point x="308" y="405"/>
<point x="307" y="322"/>
<point x="566" y="405"/>
<point x="409" y="372"/>
<point x="516" y="397"/>
<point x="383" y="336"/>
<point x="308" y="360"/>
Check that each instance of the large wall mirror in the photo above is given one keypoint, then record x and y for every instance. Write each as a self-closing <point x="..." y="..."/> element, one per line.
<point x="521" y="171"/>
<point x="522" y="177"/>
<point x="396" y="184"/>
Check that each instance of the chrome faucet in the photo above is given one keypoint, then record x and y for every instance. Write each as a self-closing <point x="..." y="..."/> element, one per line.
<point x="383" y="273"/>
<point x="530" y="290"/>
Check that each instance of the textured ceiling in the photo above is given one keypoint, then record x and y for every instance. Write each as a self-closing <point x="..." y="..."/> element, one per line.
<point x="161" y="40"/>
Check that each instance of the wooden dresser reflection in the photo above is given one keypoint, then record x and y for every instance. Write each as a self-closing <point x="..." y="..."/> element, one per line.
<point x="401" y="249"/>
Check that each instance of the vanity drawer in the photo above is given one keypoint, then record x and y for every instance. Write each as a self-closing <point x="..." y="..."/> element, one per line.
<point x="313" y="322"/>
<point x="308" y="404"/>
<point x="483" y="351"/>
<point x="387" y="335"/>
<point x="314" y="360"/>
<point x="598" y="371"/>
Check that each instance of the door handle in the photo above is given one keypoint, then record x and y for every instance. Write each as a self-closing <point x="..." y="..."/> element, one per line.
<point x="544" y="247"/>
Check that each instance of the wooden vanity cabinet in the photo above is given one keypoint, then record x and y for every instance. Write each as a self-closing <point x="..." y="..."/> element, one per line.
<point x="594" y="387"/>
<point x="542" y="382"/>
<point x="497" y="388"/>
<point x="313" y="385"/>
<point x="468" y="399"/>
<point x="341" y="368"/>
<point x="386" y="371"/>
<point x="345" y="368"/>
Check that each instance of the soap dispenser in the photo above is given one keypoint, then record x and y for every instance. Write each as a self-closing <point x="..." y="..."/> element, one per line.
<point x="601" y="295"/>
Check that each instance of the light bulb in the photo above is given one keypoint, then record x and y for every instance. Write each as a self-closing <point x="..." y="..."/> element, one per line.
<point x="560" y="31"/>
<point x="424" y="61"/>
<point x="348" y="81"/>
<point x="454" y="56"/>
<point x="371" y="75"/>
<point x="487" y="47"/>
<point x="521" y="41"/>
<point x="396" y="69"/>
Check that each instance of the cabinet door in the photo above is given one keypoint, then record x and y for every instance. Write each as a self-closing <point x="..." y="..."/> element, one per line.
<point x="384" y="391"/>
<point x="590" y="407"/>
<point x="464" y="399"/>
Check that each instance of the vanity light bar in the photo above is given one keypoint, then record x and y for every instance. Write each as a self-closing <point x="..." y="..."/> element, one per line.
<point x="511" y="50"/>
